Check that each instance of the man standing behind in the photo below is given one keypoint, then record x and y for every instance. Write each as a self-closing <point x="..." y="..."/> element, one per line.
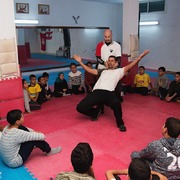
<point x="107" y="48"/>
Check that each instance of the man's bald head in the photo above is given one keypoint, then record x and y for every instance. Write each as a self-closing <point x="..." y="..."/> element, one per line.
<point x="108" y="36"/>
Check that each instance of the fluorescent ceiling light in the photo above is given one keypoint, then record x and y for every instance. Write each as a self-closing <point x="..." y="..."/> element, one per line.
<point x="26" y="21"/>
<point x="148" y="23"/>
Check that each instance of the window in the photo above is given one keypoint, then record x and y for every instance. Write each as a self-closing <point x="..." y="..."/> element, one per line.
<point x="152" y="6"/>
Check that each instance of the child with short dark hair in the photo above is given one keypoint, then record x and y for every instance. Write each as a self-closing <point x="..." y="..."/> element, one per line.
<point x="161" y="84"/>
<point x="142" y="82"/>
<point x="43" y="95"/>
<point x="76" y="83"/>
<point x="81" y="160"/>
<point x="33" y="88"/>
<point x="163" y="154"/>
<point x="28" y="103"/>
<point x="173" y="93"/>
<point x="17" y="141"/>
<point x="46" y="78"/>
<point x="90" y="79"/>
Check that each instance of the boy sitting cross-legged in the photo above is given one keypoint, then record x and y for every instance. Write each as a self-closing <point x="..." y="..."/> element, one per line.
<point x="17" y="141"/>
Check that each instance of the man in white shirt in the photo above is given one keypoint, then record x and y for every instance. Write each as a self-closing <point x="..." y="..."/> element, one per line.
<point x="104" y="89"/>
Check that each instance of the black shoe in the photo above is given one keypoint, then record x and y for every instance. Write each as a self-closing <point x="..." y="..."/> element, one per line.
<point x="95" y="117"/>
<point x="122" y="128"/>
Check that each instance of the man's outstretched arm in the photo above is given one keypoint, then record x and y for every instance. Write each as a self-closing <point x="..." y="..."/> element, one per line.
<point x="89" y="70"/>
<point x="129" y="66"/>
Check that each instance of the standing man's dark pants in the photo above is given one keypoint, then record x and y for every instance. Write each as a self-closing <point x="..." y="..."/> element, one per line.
<point x="27" y="147"/>
<point x="101" y="97"/>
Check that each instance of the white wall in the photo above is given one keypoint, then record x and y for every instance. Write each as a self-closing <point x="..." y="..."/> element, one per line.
<point x="163" y="39"/>
<point x="91" y="14"/>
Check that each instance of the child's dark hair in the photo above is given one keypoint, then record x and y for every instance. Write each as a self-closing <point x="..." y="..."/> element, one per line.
<point x="39" y="78"/>
<point x="178" y="73"/>
<point x="23" y="80"/>
<point x="13" y="116"/>
<point x="72" y="64"/>
<point x="162" y="69"/>
<point x="45" y="74"/>
<point x="139" y="169"/>
<point x="173" y="127"/>
<point x="141" y="67"/>
<point x="32" y="76"/>
<point x="89" y="62"/>
<point x="82" y="157"/>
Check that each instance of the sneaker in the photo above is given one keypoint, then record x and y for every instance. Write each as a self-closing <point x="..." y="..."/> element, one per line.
<point x="54" y="151"/>
<point x="122" y="128"/>
<point x="95" y="118"/>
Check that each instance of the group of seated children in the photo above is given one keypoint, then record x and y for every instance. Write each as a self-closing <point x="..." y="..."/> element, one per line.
<point x="36" y="93"/>
<point x="159" y="160"/>
<point x="142" y="85"/>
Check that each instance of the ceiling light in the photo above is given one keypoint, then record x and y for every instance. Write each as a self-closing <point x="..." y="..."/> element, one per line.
<point x="148" y="23"/>
<point x="26" y="21"/>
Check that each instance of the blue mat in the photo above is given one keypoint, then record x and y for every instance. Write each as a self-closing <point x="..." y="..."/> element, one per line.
<point x="20" y="173"/>
<point x="40" y="66"/>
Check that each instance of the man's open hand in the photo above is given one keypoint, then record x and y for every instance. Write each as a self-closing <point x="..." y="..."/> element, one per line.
<point x="77" y="58"/>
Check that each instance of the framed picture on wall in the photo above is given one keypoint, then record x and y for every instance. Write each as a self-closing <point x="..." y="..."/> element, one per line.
<point x="22" y="8"/>
<point x="43" y="9"/>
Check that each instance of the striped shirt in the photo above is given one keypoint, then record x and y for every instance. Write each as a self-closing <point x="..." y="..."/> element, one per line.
<point x="73" y="176"/>
<point x="75" y="79"/>
<point x="10" y="144"/>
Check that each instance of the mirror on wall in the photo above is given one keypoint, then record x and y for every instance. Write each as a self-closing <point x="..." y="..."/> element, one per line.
<point x="61" y="41"/>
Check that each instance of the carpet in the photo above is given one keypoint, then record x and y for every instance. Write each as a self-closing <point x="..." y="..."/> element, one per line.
<point x="64" y="126"/>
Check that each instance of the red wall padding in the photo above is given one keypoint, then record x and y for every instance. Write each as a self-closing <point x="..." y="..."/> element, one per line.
<point x="11" y="89"/>
<point x="6" y="106"/>
<point x="22" y="56"/>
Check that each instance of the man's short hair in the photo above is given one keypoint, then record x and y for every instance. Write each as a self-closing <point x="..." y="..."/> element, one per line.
<point x="113" y="57"/>
<point x="178" y="73"/>
<point x="139" y="170"/>
<point x="13" y="116"/>
<point x="141" y="67"/>
<point x="173" y="127"/>
<point x="82" y="157"/>
<point x="162" y="69"/>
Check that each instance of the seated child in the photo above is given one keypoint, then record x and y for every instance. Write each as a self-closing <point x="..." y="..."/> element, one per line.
<point x="61" y="86"/>
<point x="90" y="79"/>
<point x="163" y="155"/>
<point x="161" y="84"/>
<point x="46" y="78"/>
<point x="76" y="83"/>
<point x="81" y="159"/>
<point x="127" y="82"/>
<point x="34" y="89"/>
<point x="173" y="93"/>
<point x="29" y="104"/>
<point x="17" y="141"/>
<point x="138" y="169"/>
<point x="142" y="82"/>
<point x="43" y="95"/>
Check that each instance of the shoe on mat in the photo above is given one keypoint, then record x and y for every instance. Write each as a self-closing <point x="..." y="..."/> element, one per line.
<point x="95" y="117"/>
<point x="122" y="128"/>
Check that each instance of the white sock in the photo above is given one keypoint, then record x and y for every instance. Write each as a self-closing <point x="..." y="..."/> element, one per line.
<point x="54" y="151"/>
